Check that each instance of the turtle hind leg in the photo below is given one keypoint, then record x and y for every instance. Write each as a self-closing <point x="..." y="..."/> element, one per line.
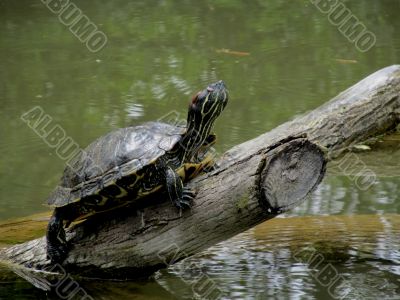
<point x="57" y="247"/>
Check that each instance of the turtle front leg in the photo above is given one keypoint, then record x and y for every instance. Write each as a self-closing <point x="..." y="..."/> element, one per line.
<point x="57" y="247"/>
<point x="180" y="196"/>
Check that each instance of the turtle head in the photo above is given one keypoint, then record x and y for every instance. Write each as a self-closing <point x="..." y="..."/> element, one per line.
<point x="204" y="108"/>
<point x="209" y="103"/>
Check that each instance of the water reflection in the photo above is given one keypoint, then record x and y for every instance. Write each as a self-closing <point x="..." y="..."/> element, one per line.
<point x="345" y="198"/>
<point x="293" y="257"/>
<point x="134" y="110"/>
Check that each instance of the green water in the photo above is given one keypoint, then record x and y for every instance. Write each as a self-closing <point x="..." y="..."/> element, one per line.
<point x="286" y="58"/>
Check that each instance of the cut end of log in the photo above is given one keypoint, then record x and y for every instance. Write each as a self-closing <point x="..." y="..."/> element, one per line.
<point x="289" y="175"/>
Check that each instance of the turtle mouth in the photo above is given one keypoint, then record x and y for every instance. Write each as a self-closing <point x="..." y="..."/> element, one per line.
<point x="218" y="92"/>
<point x="218" y="86"/>
<point x="211" y="100"/>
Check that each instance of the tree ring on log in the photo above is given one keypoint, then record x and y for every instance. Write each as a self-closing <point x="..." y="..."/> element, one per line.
<point x="289" y="173"/>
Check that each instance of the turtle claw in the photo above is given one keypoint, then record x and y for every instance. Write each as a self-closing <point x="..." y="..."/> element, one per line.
<point x="188" y="196"/>
<point x="184" y="204"/>
<point x="211" y="168"/>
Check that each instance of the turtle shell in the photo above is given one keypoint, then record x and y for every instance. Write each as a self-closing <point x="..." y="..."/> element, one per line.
<point x="115" y="155"/>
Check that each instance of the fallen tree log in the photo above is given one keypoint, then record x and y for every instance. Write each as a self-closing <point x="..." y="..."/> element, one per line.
<point x="255" y="181"/>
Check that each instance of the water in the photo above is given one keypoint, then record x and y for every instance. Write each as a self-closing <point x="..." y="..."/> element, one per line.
<point x="285" y="59"/>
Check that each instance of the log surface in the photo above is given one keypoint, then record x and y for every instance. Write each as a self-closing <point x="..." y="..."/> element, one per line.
<point x="255" y="181"/>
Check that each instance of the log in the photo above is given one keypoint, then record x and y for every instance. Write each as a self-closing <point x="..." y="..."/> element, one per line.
<point x="255" y="181"/>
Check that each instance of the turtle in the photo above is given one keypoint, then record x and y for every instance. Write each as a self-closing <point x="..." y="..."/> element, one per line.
<point x="127" y="164"/>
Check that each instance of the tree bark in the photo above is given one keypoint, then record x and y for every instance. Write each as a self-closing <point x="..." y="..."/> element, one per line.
<point x="255" y="181"/>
